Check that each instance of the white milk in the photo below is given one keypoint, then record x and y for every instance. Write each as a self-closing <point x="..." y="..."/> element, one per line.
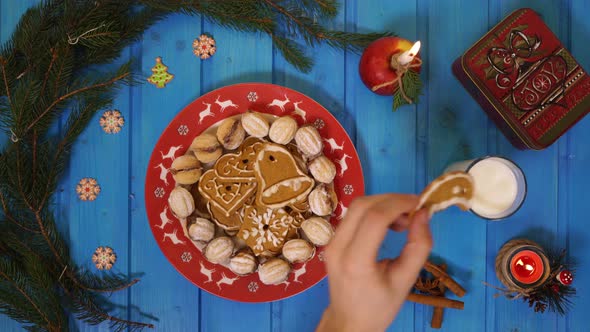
<point x="496" y="188"/>
<point x="500" y="186"/>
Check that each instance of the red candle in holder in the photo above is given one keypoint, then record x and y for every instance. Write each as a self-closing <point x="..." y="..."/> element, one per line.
<point x="526" y="267"/>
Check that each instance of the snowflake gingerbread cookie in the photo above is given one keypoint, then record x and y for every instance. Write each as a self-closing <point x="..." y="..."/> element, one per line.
<point x="204" y="47"/>
<point x="264" y="230"/>
<point x="88" y="189"/>
<point x="112" y="122"/>
<point x="104" y="258"/>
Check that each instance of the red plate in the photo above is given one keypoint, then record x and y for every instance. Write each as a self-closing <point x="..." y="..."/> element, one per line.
<point x="196" y="118"/>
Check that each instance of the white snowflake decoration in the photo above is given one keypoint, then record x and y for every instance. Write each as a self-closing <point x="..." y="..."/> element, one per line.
<point x="159" y="192"/>
<point x="204" y="47"/>
<point x="253" y="286"/>
<point x="183" y="130"/>
<point x="112" y="122"/>
<point x="348" y="189"/>
<point x="252" y="96"/>
<point x="319" y="124"/>
<point x="322" y="257"/>
<point x="186" y="257"/>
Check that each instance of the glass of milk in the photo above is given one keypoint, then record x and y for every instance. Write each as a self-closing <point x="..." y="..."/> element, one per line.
<point x="500" y="186"/>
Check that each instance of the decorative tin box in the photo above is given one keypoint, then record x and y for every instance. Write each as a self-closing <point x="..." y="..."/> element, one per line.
<point x="525" y="80"/>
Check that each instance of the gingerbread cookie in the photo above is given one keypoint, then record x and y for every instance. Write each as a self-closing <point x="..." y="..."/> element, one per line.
<point x="230" y="223"/>
<point x="300" y="206"/>
<point x="227" y="196"/>
<point x="454" y="188"/>
<point x="281" y="182"/>
<point x="239" y="167"/>
<point x="201" y="209"/>
<point x="264" y="230"/>
<point x="298" y="218"/>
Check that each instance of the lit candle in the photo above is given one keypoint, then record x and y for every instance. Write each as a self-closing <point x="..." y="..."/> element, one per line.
<point x="526" y="267"/>
<point x="408" y="56"/>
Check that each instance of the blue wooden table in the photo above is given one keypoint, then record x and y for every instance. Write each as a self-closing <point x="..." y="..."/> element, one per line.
<point x="400" y="152"/>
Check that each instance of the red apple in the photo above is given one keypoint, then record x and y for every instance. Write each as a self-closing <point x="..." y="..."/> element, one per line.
<point x="375" y="65"/>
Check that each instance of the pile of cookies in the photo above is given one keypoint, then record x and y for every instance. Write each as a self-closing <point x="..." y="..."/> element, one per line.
<point x="257" y="195"/>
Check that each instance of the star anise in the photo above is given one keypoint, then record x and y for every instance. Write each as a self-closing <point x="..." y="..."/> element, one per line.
<point x="428" y="286"/>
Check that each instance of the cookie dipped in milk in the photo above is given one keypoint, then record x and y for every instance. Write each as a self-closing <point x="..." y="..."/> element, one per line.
<point x="500" y="186"/>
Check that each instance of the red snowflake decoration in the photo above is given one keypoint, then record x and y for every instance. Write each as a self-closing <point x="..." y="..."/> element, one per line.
<point x="112" y="122"/>
<point x="204" y="47"/>
<point x="104" y="258"/>
<point x="88" y="189"/>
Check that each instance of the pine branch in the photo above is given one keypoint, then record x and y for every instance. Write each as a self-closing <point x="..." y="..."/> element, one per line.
<point x="412" y="85"/>
<point x="86" y="308"/>
<point x="75" y="92"/>
<point x="292" y="53"/>
<point x="17" y="284"/>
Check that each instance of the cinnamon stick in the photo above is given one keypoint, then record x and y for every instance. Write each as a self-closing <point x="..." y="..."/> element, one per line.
<point x="435" y="301"/>
<point x="444" y="278"/>
<point x="437" y="312"/>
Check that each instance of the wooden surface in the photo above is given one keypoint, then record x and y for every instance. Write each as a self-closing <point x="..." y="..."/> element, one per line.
<point x="400" y="152"/>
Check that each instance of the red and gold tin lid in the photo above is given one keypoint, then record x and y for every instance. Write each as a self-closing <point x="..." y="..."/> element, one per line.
<point x="526" y="80"/>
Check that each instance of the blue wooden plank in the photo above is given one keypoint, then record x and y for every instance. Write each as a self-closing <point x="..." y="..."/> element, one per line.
<point x="456" y="131"/>
<point x="103" y="222"/>
<point x="325" y="84"/>
<point x="240" y="57"/>
<point x="385" y="141"/>
<point x="538" y="218"/>
<point x="162" y="292"/>
<point x="576" y="162"/>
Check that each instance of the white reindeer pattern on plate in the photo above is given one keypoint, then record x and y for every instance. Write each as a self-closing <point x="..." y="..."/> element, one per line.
<point x="173" y="237"/>
<point x="224" y="104"/>
<point x="343" y="164"/>
<point x="280" y="103"/>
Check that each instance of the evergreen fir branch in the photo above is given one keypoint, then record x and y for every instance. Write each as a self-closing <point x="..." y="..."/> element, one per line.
<point x="7" y="214"/>
<point x="356" y="42"/>
<point x="412" y="85"/>
<point x="122" y="75"/>
<point x="293" y="53"/>
<point x="270" y="17"/>
<point x="86" y="307"/>
<point x="34" y="314"/>
<point x="324" y="8"/>
<point x="107" y="283"/>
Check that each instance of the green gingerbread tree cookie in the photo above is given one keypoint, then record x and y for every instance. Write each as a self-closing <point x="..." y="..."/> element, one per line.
<point x="160" y="76"/>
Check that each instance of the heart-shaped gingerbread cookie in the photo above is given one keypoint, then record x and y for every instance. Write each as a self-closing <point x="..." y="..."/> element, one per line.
<point x="229" y="196"/>
<point x="239" y="167"/>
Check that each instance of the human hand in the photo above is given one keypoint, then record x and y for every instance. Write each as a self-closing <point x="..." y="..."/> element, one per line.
<point x="366" y="294"/>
